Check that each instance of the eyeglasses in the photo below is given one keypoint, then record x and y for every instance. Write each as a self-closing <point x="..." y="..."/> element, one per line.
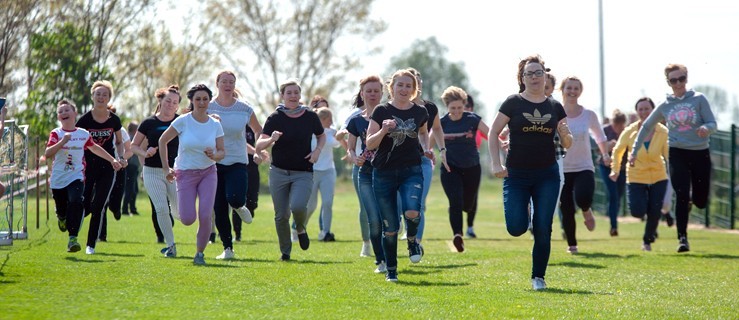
<point x="537" y="73"/>
<point x="676" y="80"/>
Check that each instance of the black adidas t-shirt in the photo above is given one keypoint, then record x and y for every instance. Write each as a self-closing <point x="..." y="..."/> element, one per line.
<point x="289" y="151"/>
<point x="532" y="127"/>
<point x="153" y="128"/>
<point x="461" y="151"/>
<point x="399" y="148"/>
<point x="101" y="133"/>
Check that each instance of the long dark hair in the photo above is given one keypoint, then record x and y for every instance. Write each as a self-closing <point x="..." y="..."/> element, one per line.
<point x="196" y="88"/>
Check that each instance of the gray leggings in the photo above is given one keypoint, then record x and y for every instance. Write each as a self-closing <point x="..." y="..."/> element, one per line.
<point x="324" y="181"/>
<point x="290" y="192"/>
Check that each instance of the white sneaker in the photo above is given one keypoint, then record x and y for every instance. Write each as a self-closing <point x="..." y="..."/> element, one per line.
<point x="244" y="214"/>
<point x="294" y="235"/>
<point x="90" y="250"/>
<point x="404" y="236"/>
<point x="381" y="268"/>
<point x="538" y="284"/>
<point x="227" y="254"/>
<point x="321" y="235"/>
<point x="366" y="250"/>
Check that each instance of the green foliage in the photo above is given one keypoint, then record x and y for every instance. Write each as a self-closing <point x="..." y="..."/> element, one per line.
<point x="61" y="58"/>
<point x="429" y="58"/>
<point x="128" y="277"/>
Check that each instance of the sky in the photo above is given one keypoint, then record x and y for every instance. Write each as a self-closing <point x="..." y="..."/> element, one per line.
<point x="640" y="39"/>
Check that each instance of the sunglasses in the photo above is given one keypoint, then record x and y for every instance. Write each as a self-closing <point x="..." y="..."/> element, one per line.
<point x="676" y="80"/>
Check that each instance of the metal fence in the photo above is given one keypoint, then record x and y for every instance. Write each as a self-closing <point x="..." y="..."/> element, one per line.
<point x="720" y="211"/>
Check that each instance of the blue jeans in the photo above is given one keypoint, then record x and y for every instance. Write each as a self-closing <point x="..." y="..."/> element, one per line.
<point x="363" y="223"/>
<point x="427" y="168"/>
<point x="388" y="184"/>
<point x="541" y="186"/>
<point x="374" y="221"/>
<point x="614" y="191"/>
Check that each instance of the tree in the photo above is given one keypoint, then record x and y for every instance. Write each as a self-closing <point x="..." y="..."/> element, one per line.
<point x="13" y="15"/>
<point x="428" y="57"/>
<point x="60" y="60"/>
<point x="717" y="97"/>
<point x="296" y="39"/>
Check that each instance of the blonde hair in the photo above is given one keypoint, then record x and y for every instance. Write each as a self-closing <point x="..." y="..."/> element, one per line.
<point x="570" y="78"/>
<point x="324" y="113"/>
<point x="102" y="83"/>
<point x="452" y="94"/>
<point x="403" y="73"/>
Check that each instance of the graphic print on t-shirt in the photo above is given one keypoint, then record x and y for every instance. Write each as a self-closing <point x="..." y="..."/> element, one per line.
<point x="538" y="120"/>
<point x="101" y="136"/>
<point x="403" y="129"/>
<point x="681" y="117"/>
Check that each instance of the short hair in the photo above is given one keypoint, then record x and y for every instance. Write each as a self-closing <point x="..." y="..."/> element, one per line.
<point x="403" y="73"/>
<point x="68" y="103"/>
<point x="452" y="94"/>
<point x="132" y="127"/>
<point x="644" y="99"/>
<point x="358" y="101"/>
<point x="552" y="79"/>
<point x="674" y="67"/>
<point x="570" y="78"/>
<point x="291" y="82"/>
<point x="102" y="83"/>
<point x="618" y="117"/>
<point x="324" y="113"/>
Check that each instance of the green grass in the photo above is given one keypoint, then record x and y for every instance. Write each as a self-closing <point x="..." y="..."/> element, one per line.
<point x="128" y="278"/>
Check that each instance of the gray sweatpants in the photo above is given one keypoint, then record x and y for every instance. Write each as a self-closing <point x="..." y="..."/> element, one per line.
<point x="290" y="192"/>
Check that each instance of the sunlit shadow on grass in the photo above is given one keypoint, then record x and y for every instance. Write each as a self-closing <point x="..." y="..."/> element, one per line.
<point x="573" y="264"/>
<point x="75" y="259"/>
<point x="573" y="291"/>
<point x="707" y="256"/>
<point x="425" y="283"/>
<point x="448" y="266"/>
<point x="604" y="255"/>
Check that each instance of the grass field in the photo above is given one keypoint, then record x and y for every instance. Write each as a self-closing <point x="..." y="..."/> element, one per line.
<point x="129" y="278"/>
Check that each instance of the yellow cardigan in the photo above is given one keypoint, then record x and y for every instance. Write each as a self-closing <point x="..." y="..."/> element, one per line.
<point x="650" y="163"/>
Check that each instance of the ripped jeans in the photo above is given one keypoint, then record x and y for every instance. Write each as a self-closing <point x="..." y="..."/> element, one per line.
<point x="388" y="184"/>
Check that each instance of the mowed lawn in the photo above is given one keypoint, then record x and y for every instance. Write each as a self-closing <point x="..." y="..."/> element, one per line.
<point x="128" y="278"/>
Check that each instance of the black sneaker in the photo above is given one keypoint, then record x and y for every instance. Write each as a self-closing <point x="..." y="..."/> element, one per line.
<point x="669" y="219"/>
<point x="684" y="246"/>
<point x="238" y="237"/>
<point x="391" y="276"/>
<point x="303" y="240"/>
<point x="285" y="257"/>
<point x="212" y="238"/>
<point x="414" y="251"/>
<point x="329" y="237"/>
<point x="117" y="215"/>
<point x="458" y="243"/>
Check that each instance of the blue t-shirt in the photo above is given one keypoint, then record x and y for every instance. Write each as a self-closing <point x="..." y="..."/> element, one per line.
<point x="461" y="151"/>
<point x="358" y="126"/>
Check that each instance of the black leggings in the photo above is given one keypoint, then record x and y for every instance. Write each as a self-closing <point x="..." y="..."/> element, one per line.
<point x="252" y="194"/>
<point x="577" y="190"/>
<point x="68" y="201"/>
<point x="690" y="170"/>
<point x="114" y="201"/>
<point x="99" y="179"/>
<point x="461" y="186"/>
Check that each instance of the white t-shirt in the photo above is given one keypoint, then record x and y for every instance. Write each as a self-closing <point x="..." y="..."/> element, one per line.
<point x="194" y="138"/>
<point x="579" y="155"/>
<point x="69" y="161"/>
<point x="234" y="120"/>
<point x="326" y="158"/>
<point x="125" y="137"/>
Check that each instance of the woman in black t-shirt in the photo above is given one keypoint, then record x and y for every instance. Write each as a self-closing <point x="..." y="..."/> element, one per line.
<point x="99" y="174"/>
<point x="462" y="181"/>
<point x="289" y="131"/>
<point x="531" y="171"/>
<point x="397" y="130"/>
<point x="162" y="193"/>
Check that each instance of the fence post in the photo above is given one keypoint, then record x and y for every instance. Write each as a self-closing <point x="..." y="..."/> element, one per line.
<point x="732" y="178"/>
<point x="38" y="185"/>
